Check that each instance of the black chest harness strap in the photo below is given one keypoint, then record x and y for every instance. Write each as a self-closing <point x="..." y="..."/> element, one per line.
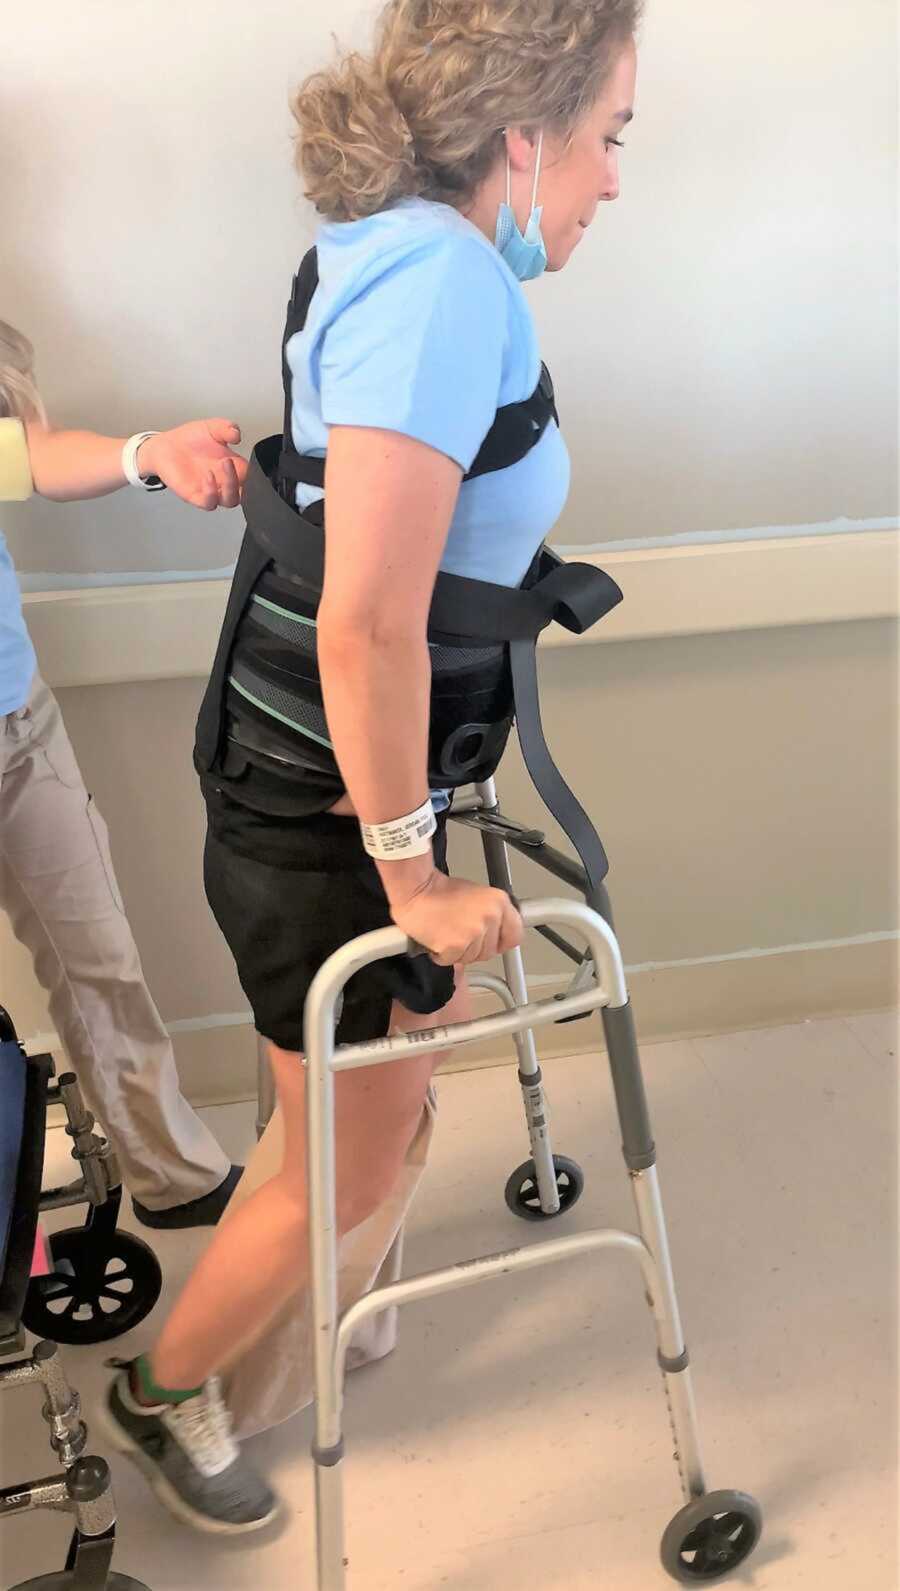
<point x="514" y="432"/>
<point x="465" y="615"/>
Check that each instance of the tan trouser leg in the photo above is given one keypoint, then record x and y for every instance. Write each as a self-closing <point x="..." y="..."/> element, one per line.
<point x="58" y="885"/>
<point x="275" y="1378"/>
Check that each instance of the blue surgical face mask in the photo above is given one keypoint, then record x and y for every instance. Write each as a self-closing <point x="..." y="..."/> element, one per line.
<point x="524" y="253"/>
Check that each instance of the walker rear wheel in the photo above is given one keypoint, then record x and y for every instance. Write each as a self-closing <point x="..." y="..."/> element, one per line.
<point x="523" y="1197"/>
<point x="711" y="1537"/>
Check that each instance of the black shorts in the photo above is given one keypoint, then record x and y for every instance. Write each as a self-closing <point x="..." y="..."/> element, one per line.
<point x="286" y="893"/>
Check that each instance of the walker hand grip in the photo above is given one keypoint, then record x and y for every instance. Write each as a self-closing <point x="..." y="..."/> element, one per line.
<point x="415" y="949"/>
<point x="383" y="943"/>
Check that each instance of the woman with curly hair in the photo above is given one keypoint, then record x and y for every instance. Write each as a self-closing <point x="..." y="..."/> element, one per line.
<point x="467" y="153"/>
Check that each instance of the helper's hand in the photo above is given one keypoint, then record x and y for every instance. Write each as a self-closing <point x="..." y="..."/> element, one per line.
<point x="459" y="922"/>
<point x="197" y="462"/>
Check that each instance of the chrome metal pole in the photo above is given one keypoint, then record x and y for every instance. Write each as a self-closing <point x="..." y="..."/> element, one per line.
<point x="672" y="1352"/>
<point x="496" y="859"/>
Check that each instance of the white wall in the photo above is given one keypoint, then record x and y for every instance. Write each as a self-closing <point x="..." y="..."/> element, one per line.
<point x="723" y="343"/>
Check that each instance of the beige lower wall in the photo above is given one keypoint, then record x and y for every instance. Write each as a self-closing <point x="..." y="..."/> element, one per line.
<point x="219" y="1063"/>
<point x="745" y="786"/>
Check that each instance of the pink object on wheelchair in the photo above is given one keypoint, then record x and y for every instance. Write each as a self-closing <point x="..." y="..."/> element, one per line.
<point x="40" y="1264"/>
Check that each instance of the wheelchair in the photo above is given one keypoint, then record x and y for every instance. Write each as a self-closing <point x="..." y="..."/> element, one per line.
<point x="101" y="1282"/>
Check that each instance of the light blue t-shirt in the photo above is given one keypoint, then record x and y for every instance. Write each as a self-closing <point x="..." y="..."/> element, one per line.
<point x="418" y="326"/>
<point x="17" y="660"/>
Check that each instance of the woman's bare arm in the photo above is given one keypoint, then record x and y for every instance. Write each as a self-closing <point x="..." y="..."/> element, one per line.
<point x="390" y="502"/>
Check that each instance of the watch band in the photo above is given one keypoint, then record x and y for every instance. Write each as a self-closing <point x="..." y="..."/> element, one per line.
<point x="15" y="465"/>
<point x="147" y="483"/>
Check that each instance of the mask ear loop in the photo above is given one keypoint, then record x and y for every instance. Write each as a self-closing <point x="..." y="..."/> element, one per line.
<point x="537" y="169"/>
<point x="537" y="173"/>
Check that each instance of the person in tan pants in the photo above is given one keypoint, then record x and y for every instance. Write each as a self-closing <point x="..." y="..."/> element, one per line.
<point x="57" y="881"/>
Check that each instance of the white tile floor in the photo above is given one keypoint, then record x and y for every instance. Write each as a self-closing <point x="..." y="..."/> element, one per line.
<point x="518" y="1437"/>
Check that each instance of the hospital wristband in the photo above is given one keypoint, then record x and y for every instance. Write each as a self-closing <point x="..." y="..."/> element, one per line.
<point x="402" y="837"/>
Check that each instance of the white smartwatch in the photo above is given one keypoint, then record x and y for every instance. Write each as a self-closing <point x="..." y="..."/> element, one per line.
<point x="147" y="483"/>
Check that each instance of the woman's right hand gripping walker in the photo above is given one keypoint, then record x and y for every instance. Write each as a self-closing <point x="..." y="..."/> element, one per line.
<point x="459" y="922"/>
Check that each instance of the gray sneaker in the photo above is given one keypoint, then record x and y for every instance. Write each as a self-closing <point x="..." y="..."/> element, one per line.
<point x="187" y="1453"/>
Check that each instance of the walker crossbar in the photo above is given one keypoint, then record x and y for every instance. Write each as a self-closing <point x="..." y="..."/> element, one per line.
<point x="386" y="942"/>
<point x="467" y="1273"/>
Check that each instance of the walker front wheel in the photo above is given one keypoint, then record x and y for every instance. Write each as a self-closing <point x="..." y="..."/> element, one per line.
<point x="522" y="1193"/>
<point x="711" y="1537"/>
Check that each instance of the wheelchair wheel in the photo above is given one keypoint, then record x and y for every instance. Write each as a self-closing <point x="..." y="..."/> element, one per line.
<point x="96" y="1290"/>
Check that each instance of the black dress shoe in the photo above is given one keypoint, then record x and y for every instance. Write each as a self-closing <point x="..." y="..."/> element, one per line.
<point x="198" y="1212"/>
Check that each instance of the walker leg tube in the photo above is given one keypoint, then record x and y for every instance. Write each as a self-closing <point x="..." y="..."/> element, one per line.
<point x="598" y="899"/>
<point x="331" y="1562"/>
<point x="328" y="1445"/>
<point x="265" y="1086"/>
<point x="393" y="1261"/>
<point x="496" y="859"/>
<point x="640" y="1158"/>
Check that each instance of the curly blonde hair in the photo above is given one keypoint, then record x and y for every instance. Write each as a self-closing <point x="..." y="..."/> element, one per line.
<point x="424" y="113"/>
<point x="19" y="396"/>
